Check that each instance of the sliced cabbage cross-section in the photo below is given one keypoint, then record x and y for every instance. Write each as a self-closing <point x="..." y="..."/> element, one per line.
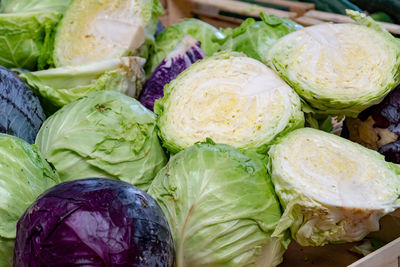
<point x="339" y="68"/>
<point x="230" y="98"/>
<point x="93" y="30"/>
<point x="332" y="190"/>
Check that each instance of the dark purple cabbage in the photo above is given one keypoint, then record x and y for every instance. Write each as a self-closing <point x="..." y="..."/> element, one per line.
<point x="93" y="222"/>
<point x="21" y="114"/>
<point x="183" y="56"/>
<point x="378" y="127"/>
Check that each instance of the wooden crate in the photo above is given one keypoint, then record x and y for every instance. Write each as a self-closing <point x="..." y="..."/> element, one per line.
<point x="302" y="13"/>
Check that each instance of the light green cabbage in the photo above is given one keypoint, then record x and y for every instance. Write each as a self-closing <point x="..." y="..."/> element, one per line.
<point x="93" y="30"/>
<point x="254" y="38"/>
<point x="332" y="190"/>
<point x="24" y="175"/>
<point x="221" y="207"/>
<point x="15" y="6"/>
<point x="61" y="86"/>
<point x="210" y="38"/>
<point x="103" y="134"/>
<point x="339" y="68"/>
<point x="230" y="98"/>
<point x="27" y="39"/>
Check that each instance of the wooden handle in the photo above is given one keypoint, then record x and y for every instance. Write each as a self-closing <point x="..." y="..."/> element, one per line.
<point x="243" y="8"/>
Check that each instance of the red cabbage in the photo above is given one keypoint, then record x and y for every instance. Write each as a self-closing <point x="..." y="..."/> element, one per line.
<point x="93" y="222"/>
<point x="183" y="56"/>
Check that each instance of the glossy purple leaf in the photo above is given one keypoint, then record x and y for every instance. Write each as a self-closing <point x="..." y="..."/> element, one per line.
<point x="93" y="222"/>
<point x="183" y="56"/>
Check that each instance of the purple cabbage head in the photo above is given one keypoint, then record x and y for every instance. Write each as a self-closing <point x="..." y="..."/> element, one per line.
<point x="378" y="127"/>
<point x="93" y="222"/>
<point x="183" y="56"/>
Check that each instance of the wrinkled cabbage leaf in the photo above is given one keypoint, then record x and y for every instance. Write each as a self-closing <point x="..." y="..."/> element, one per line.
<point x="15" y="6"/>
<point x="254" y="38"/>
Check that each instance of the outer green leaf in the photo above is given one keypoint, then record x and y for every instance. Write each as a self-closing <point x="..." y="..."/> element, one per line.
<point x="339" y="68"/>
<point x="62" y="86"/>
<point x="16" y="6"/>
<point x="26" y="39"/>
<point x="24" y="175"/>
<point x="94" y="30"/>
<point x="230" y="98"/>
<point x="210" y="38"/>
<point x="221" y="207"/>
<point x="332" y="190"/>
<point x="103" y="134"/>
<point x="254" y="38"/>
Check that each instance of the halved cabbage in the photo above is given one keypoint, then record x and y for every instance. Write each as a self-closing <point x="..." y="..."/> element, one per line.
<point x="332" y="190"/>
<point x="231" y="98"/>
<point x="221" y="207"/>
<point x="339" y="68"/>
<point x="93" y="30"/>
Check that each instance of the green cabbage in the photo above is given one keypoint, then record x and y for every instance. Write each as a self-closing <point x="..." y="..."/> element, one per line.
<point x="221" y="207"/>
<point x="93" y="30"/>
<point x="230" y="98"/>
<point x="254" y="38"/>
<point x="61" y="86"/>
<point x="332" y="190"/>
<point x="339" y="68"/>
<point x="210" y="38"/>
<point x="24" y="175"/>
<point x="15" y="6"/>
<point x="27" y="39"/>
<point x="103" y="134"/>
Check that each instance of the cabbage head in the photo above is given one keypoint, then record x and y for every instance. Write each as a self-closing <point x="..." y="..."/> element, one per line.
<point x="93" y="30"/>
<point x="332" y="190"/>
<point x="24" y="175"/>
<point x="103" y="134"/>
<point x="221" y="207"/>
<point x="339" y="68"/>
<point x="230" y="98"/>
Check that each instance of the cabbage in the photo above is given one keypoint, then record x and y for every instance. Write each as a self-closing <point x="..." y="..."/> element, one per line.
<point x="103" y="134"/>
<point x="184" y="55"/>
<point x="209" y="37"/>
<point x="15" y="6"/>
<point x="231" y="98"/>
<point x="339" y="68"/>
<point x="24" y="175"/>
<point x="61" y="86"/>
<point x="94" y="30"/>
<point x="27" y="39"/>
<point x="332" y="190"/>
<point x="254" y="38"/>
<point x="93" y="222"/>
<point x="221" y="207"/>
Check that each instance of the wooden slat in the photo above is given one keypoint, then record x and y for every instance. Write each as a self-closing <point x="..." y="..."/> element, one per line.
<point x="224" y="20"/>
<point x="330" y="17"/>
<point x="298" y="7"/>
<point x="308" y="21"/>
<point x="177" y="10"/>
<point x="387" y="256"/>
<point x="243" y="8"/>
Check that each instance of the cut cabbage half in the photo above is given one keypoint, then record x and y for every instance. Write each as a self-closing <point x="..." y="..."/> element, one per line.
<point x="339" y="68"/>
<point x="333" y="190"/>
<point x="93" y="30"/>
<point x="230" y="98"/>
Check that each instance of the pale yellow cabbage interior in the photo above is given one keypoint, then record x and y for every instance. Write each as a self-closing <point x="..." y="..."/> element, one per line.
<point x="345" y="60"/>
<point x="100" y="30"/>
<point x="334" y="172"/>
<point x="236" y="101"/>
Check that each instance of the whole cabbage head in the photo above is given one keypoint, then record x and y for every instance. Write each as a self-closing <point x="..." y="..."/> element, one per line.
<point x="103" y="134"/>
<point x="221" y="207"/>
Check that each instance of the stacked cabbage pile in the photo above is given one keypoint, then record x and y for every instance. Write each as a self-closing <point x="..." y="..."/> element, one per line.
<point x="237" y="158"/>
